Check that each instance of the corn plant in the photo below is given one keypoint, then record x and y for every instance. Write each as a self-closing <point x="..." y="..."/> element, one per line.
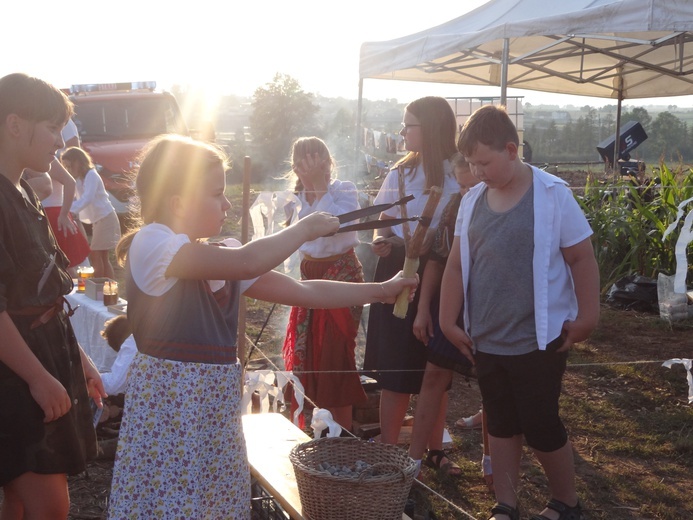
<point x="629" y="220"/>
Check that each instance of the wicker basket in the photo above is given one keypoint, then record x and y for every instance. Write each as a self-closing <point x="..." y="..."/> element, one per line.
<point x="379" y="493"/>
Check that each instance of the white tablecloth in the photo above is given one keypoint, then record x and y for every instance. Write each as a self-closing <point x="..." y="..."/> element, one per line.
<point x="88" y="322"/>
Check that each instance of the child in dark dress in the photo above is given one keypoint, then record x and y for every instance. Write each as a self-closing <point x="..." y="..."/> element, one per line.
<point x="45" y="378"/>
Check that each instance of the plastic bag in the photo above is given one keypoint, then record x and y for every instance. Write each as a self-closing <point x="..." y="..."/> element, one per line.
<point x="634" y="292"/>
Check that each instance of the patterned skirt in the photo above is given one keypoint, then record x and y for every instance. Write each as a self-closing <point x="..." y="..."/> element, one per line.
<point x="320" y="344"/>
<point x="181" y="452"/>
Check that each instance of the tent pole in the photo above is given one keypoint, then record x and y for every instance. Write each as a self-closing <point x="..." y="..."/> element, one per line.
<point x="357" y="133"/>
<point x="504" y="72"/>
<point x="617" y="143"/>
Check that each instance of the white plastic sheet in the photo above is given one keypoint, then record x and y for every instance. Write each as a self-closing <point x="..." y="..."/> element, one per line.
<point x="323" y="419"/>
<point x="268" y="384"/>
<point x="270" y="212"/>
<point x="687" y="364"/>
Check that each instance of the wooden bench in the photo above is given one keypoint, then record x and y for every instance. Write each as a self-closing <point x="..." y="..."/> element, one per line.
<point x="269" y="438"/>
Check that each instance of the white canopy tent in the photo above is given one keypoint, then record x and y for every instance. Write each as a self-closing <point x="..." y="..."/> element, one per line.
<point x="620" y="49"/>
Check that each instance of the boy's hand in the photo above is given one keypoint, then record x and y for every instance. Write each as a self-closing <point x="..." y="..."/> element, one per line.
<point x="462" y="342"/>
<point x="51" y="396"/>
<point x="319" y="224"/>
<point x="575" y="332"/>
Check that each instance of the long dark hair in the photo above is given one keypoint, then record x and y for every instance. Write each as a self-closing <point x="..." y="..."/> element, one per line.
<point x="33" y="99"/>
<point x="438" y="127"/>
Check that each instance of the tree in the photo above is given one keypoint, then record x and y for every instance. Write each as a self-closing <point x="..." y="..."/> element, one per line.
<point x="282" y="112"/>
<point x="669" y="136"/>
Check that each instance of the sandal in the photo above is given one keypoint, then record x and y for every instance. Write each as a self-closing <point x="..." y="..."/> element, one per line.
<point x="434" y="460"/>
<point x="473" y="422"/>
<point x="504" y="509"/>
<point x="565" y="512"/>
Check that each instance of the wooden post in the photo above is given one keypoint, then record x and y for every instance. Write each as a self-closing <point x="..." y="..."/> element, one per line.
<point x="413" y="248"/>
<point x="245" y="217"/>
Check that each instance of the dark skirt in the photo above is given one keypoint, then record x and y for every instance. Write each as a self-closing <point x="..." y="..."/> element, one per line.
<point x="394" y="356"/>
<point x="26" y="442"/>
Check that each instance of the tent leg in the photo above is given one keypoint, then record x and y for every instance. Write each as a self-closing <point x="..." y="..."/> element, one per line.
<point x="504" y="72"/>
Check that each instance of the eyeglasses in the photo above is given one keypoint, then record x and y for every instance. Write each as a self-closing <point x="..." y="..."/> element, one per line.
<point x="406" y="127"/>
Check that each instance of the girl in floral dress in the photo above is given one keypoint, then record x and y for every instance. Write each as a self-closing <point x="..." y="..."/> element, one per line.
<point x="181" y="452"/>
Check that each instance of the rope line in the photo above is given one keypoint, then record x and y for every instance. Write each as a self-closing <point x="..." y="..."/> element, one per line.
<point x="417" y="370"/>
<point x="418" y="482"/>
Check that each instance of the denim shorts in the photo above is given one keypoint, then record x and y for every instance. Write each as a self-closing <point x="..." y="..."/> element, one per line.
<point x="520" y="396"/>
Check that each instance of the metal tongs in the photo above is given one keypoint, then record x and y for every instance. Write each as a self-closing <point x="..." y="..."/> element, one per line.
<point x="374" y="210"/>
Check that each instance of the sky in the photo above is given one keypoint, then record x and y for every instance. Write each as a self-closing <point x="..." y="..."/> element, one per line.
<point x="220" y="47"/>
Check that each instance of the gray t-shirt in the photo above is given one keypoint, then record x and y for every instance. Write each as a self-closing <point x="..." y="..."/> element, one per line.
<point x="501" y="290"/>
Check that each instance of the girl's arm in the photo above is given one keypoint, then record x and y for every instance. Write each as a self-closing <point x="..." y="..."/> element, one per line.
<point x="89" y="186"/>
<point x="200" y="262"/>
<point x="451" y="301"/>
<point x="59" y="174"/>
<point x="423" y="323"/>
<point x="93" y="379"/>
<point x="40" y="182"/>
<point x="327" y="294"/>
<point x="47" y="391"/>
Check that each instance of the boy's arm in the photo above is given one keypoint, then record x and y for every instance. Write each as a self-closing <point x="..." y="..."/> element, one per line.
<point x="423" y="324"/>
<point x="585" y="271"/>
<point x="451" y="301"/>
<point x="47" y="391"/>
<point x="327" y="294"/>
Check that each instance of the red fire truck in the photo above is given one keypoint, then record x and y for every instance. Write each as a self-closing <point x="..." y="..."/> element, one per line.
<point x="115" y="121"/>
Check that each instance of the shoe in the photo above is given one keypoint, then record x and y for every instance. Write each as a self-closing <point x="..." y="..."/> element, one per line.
<point x="434" y="459"/>
<point x="564" y="511"/>
<point x="504" y="509"/>
<point x="472" y="422"/>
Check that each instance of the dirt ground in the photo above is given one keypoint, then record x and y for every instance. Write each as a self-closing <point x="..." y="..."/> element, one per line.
<point x="605" y="390"/>
<point x="622" y="337"/>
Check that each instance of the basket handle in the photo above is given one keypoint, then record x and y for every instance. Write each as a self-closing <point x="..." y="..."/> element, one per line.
<point x="381" y="465"/>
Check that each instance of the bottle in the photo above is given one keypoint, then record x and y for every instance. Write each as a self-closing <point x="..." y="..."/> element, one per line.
<point x="83" y="272"/>
<point x="110" y="293"/>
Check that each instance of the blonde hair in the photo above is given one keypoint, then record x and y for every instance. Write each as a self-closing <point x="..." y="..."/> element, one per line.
<point x="169" y="165"/>
<point x="459" y="161"/>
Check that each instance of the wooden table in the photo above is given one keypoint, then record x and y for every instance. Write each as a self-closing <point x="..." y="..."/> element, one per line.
<point x="269" y="438"/>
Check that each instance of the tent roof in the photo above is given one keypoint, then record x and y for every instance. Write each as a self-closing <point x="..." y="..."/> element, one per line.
<point x="577" y="47"/>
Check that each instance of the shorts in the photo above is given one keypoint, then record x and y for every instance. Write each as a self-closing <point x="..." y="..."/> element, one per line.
<point x="105" y="233"/>
<point x="520" y="396"/>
